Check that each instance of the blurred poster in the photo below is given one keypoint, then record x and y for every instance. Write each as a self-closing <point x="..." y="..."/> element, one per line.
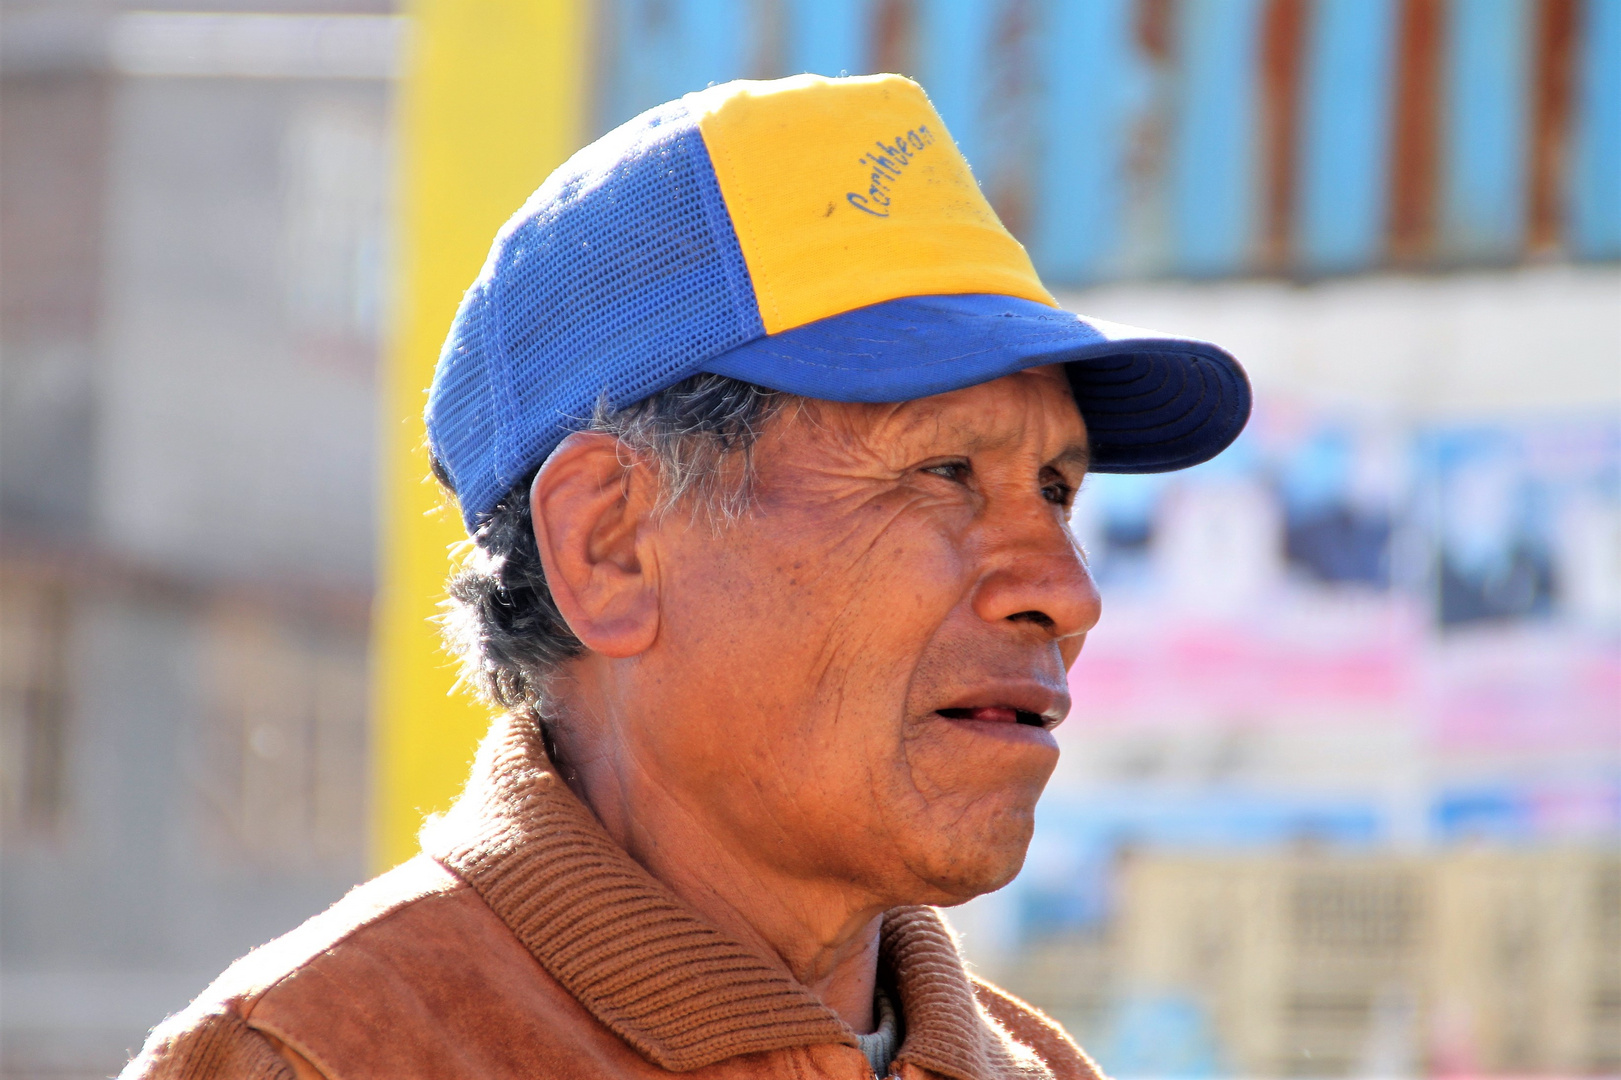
<point x="1351" y="631"/>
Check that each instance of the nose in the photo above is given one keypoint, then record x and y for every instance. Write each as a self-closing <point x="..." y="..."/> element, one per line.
<point x="1036" y="575"/>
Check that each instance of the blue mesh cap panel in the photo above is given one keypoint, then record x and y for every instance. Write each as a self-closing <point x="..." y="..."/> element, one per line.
<point x="618" y="278"/>
<point x="462" y="408"/>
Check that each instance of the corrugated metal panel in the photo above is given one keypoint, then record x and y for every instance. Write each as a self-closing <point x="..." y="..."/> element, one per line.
<point x="1553" y="61"/>
<point x="1214" y="157"/>
<point x="829" y="37"/>
<point x="1595" y="190"/>
<point x="1415" y="164"/>
<point x="1345" y="134"/>
<point x="1011" y="140"/>
<point x="955" y="36"/>
<point x="1096" y="84"/>
<point x="1282" y="31"/>
<point x="1210" y="137"/>
<point x="894" y="36"/>
<point x="661" y="49"/>
<point x="1486" y="136"/>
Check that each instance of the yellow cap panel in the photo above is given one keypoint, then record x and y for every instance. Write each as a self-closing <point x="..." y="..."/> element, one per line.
<point x="849" y="192"/>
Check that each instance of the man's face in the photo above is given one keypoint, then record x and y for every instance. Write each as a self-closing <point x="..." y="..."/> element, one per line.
<point x="856" y="682"/>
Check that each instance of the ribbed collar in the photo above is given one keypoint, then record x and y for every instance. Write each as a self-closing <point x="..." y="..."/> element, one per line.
<point x="675" y="987"/>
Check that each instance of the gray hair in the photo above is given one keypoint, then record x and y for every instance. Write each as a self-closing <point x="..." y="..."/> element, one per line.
<point x="501" y="621"/>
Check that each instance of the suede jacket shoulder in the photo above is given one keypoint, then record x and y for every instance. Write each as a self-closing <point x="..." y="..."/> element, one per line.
<point x="523" y="942"/>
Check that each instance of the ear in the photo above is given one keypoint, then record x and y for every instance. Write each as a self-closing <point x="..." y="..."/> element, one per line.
<point x="592" y="512"/>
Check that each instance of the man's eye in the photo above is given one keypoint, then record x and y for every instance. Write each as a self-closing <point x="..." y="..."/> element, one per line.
<point x="1058" y="493"/>
<point x="951" y="470"/>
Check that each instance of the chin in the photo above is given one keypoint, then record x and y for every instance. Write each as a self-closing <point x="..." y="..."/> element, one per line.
<point x="977" y="856"/>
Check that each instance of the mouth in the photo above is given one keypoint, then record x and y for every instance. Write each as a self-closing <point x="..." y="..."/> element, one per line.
<point x="998" y="714"/>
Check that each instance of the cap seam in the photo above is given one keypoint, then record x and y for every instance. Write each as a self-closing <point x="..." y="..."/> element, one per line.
<point x="745" y="291"/>
<point x="746" y="211"/>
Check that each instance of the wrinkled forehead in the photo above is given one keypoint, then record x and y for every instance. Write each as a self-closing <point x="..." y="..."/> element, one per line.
<point x="1031" y="412"/>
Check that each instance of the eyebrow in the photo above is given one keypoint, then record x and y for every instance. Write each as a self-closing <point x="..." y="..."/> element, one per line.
<point x="1075" y="455"/>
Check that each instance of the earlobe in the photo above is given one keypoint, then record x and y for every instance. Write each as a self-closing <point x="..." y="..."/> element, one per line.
<point x="591" y="511"/>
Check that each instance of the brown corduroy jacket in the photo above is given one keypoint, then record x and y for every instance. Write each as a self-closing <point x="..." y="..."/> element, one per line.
<point x="523" y="942"/>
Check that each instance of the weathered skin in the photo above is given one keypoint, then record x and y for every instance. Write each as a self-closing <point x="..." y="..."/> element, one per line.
<point x="757" y="721"/>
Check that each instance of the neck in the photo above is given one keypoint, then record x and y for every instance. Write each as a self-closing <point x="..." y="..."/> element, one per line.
<point x="827" y="937"/>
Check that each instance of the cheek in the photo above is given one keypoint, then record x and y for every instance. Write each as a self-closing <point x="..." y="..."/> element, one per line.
<point x="787" y="660"/>
<point x="807" y="620"/>
<point x="883" y="587"/>
<point x="899" y="590"/>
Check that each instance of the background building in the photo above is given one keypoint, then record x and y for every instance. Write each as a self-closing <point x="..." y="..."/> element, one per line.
<point x="191" y="273"/>
<point x="1341" y="794"/>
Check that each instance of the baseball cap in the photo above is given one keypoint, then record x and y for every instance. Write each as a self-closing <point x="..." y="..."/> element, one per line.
<point x="822" y="237"/>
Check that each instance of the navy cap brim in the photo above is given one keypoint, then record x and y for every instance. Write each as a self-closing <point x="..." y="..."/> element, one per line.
<point x="1152" y="402"/>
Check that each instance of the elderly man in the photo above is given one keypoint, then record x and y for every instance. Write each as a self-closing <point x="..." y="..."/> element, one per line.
<point x="766" y="434"/>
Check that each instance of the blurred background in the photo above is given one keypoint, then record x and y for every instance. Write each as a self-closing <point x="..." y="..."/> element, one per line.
<point x="1341" y="794"/>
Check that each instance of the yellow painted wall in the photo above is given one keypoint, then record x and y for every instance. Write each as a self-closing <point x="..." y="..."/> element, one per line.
<point x="494" y="99"/>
